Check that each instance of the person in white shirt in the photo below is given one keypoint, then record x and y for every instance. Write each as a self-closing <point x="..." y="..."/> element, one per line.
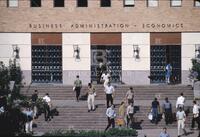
<point x="105" y="78"/>
<point x="111" y="114"/>
<point x="47" y="106"/>
<point x="109" y="89"/>
<point x="91" y="96"/>
<point x="29" y="121"/>
<point x="130" y="95"/>
<point x="180" y="115"/>
<point x="195" y="115"/>
<point x="180" y="101"/>
<point x="129" y="113"/>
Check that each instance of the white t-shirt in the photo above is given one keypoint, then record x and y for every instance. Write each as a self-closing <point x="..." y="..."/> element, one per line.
<point x="180" y="115"/>
<point x="110" y="113"/>
<point x="195" y="109"/>
<point x="180" y="101"/>
<point x="47" y="99"/>
<point x="109" y="89"/>
<point x="129" y="94"/>
<point x="130" y="110"/>
<point x="105" y="76"/>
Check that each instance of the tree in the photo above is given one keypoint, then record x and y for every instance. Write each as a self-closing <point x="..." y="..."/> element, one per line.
<point x="195" y="68"/>
<point x="12" y="119"/>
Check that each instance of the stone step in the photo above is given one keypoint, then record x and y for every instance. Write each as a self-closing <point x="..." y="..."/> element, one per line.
<point x="78" y="118"/>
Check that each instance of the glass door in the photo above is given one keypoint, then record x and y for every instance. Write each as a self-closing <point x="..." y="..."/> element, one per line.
<point x="160" y="57"/>
<point x="106" y="58"/>
<point x="46" y="64"/>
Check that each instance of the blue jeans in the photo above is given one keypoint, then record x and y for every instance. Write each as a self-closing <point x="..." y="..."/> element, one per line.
<point x="155" y="114"/>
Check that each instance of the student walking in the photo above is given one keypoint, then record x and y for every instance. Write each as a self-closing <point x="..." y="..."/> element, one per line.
<point x="130" y="113"/>
<point x="130" y="95"/>
<point x="91" y="97"/>
<point x="180" y="101"/>
<point x="180" y="115"/>
<point x="168" y="73"/>
<point x="109" y="94"/>
<point x="122" y="114"/>
<point x="111" y="114"/>
<point x="155" y="106"/>
<point x="195" y="117"/>
<point x="105" y="77"/>
<point x="34" y="98"/>
<point x="77" y="86"/>
<point x="47" y="107"/>
<point x="29" y="121"/>
<point x="167" y="110"/>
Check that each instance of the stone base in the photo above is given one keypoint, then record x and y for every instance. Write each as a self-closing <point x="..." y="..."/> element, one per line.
<point x="70" y="75"/>
<point x="184" y="78"/>
<point x="136" y="77"/>
<point x="26" y="74"/>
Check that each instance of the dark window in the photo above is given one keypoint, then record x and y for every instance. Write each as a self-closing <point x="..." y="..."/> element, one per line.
<point x="105" y="3"/>
<point x="35" y="3"/>
<point x="59" y="3"/>
<point x="82" y="3"/>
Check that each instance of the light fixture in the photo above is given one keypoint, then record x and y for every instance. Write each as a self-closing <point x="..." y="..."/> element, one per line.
<point x="76" y="52"/>
<point x="197" y="51"/>
<point x="15" y="51"/>
<point x="136" y="51"/>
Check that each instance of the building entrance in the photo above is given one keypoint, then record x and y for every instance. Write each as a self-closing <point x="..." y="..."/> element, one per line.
<point x="160" y="57"/>
<point x="165" y="49"/>
<point x="105" y="58"/>
<point x="46" y="64"/>
<point x="46" y="57"/>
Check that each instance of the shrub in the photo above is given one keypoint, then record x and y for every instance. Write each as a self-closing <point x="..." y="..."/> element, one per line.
<point x="92" y="133"/>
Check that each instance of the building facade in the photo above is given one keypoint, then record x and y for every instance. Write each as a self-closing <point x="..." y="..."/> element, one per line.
<point x="134" y="39"/>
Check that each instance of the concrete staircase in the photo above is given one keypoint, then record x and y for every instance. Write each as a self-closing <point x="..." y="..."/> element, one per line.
<point x="74" y="114"/>
<point x="141" y="92"/>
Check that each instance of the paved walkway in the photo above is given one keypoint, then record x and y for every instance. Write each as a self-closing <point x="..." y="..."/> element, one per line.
<point x="172" y="133"/>
<point x="154" y="133"/>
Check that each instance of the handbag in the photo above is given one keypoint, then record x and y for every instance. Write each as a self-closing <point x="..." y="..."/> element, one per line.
<point x="95" y="94"/>
<point x="150" y="116"/>
<point x="120" y="122"/>
<point x="163" y="116"/>
<point x="74" y="88"/>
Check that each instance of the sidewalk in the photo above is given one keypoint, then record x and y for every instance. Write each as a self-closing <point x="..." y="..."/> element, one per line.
<point x="152" y="133"/>
<point x="172" y="133"/>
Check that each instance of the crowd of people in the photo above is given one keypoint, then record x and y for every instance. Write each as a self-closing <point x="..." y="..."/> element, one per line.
<point x="32" y="111"/>
<point x="125" y="116"/>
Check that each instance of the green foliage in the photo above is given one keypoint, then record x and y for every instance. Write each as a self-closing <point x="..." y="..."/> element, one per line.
<point x="15" y="75"/>
<point x="40" y="105"/>
<point x="12" y="120"/>
<point x="196" y="67"/>
<point x="4" y="78"/>
<point x="110" y="133"/>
